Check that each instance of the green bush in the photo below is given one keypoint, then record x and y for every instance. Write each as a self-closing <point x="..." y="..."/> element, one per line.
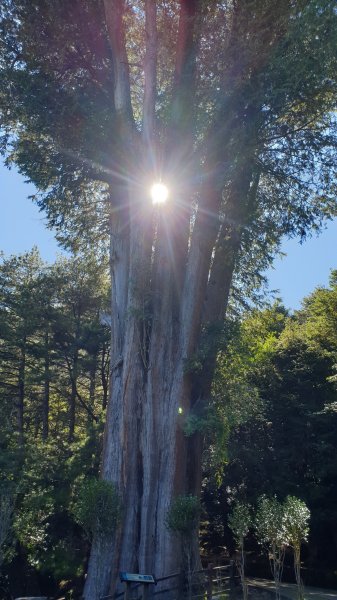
<point x="183" y="515"/>
<point x="97" y="508"/>
<point x="239" y="521"/>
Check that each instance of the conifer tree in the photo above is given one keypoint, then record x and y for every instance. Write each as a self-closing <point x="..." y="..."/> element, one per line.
<point x="231" y="104"/>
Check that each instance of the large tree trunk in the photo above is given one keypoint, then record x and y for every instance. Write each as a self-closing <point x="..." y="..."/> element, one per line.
<point x="145" y="449"/>
<point x="163" y="266"/>
<point x="146" y="453"/>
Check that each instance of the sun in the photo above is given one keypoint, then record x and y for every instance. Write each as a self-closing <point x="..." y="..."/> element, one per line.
<point x="159" y="193"/>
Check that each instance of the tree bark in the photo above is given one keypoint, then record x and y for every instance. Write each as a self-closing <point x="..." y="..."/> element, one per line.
<point x="160" y="273"/>
<point x="104" y="375"/>
<point x="145" y="449"/>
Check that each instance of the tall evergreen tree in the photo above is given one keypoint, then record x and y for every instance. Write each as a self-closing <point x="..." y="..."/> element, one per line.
<point x="232" y="105"/>
<point x="52" y="406"/>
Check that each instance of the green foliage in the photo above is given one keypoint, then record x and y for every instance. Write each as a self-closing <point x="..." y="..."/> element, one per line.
<point x="236" y="397"/>
<point x="279" y="525"/>
<point x="296" y="517"/>
<point x="97" y="508"/>
<point x="31" y="522"/>
<point x="43" y="523"/>
<point x="54" y="355"/>
<point x="271" y="532"/>
<point x="183" y="515"/>
<point x="296" y="521"/>
<point x="210" y="423"/>
<point x="240" y="521"/>
<point x="269" y="522"/>
<point x="274" y="109"/>
<point x="281" y="438"/>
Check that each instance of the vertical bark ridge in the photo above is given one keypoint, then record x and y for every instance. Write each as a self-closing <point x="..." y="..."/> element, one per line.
<point x="159" y="435"/>
<point x="133" y="399"/>
<point x="121" y="460"/>
<point x="163" y="436"/>
<point x="119" y="266"/>
<point x="160" y="360"/>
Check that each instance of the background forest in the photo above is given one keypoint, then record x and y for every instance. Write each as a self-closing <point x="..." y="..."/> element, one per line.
<point x="270" y="424"/>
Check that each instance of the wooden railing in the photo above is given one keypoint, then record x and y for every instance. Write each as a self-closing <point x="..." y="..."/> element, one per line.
<point x="213" y="582"/>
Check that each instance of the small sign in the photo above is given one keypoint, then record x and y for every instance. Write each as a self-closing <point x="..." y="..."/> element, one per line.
<point x="136" y="577"/>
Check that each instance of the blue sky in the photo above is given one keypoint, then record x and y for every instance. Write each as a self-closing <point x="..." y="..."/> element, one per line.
<point x="305" y="267"/>
<point x="22" y="225"/>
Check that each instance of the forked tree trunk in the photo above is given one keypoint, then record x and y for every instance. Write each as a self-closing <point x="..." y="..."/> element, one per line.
<point x="168" y="279"/>
<point x="162" y="291"/>
<point x="146" y="454"/>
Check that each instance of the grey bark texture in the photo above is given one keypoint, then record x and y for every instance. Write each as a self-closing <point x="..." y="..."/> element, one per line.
<point x="160" y="273"/>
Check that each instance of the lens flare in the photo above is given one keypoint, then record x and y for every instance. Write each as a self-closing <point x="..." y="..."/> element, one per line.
<point x="159" y="193"/>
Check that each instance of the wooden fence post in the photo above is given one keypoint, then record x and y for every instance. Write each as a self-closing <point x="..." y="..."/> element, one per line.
<point x="209" y="590"/>
<point x="127" y="593"/>
<point x="145" y="594"/>
<point x="231" y="575"/>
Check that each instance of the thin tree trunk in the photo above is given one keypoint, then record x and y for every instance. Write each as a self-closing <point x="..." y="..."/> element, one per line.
<point x="46" y="390"/>
<point x="21" y="391"/>
<point x="92" y="387"/>
<point x="297" y="569"/>
<point x="72" y="397"/>
<point x="104" y="376"/>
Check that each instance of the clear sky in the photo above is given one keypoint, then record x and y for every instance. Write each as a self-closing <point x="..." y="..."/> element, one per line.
<point x="305" y="267"/>
<point x="21" y="224"/>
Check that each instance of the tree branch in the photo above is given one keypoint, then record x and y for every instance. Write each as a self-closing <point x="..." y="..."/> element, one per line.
<point x="202" y="243"/>
<point x="185" y="65"/>
<point x="239" y="204"/>
<point x="114" y="12"/>
<point x="78" y="395"/>
<point x="220" y="280"/>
